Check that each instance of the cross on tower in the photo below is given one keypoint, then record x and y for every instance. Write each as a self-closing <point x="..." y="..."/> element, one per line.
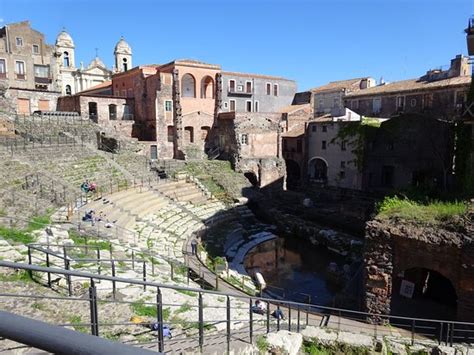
<point x="96" y="52"/>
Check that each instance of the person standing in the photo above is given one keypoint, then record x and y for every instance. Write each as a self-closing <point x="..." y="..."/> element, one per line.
<point x="194" y="246"/>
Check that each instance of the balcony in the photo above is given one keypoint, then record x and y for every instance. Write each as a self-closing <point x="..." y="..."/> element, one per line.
<point x="3" y="75"/>
<point x="127" y="117"/>
<point x="239" y="92"/>
<point x="43" y="80"/>
<point x="20" y="76"/>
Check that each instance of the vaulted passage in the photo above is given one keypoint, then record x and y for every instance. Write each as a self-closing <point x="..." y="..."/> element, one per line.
<point x="424" y="293"/>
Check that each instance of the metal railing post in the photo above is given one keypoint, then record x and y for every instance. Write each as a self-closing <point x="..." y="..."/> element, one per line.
<point x="201" y="322"/>
<point x="250" y="321"/>
<point x="159" y="316"/>
<point x="452" y="335"/>
<point x="268" y="317"/>
<point x="289" y="318"/>
<point x="298" y="322"/>
<point x="412" y="332"/>
<point x="30" y="273"/>
<point x="133" y="259"/>
<point x="228" y="324"/>
<point x="144" y="276"/>
<point x="47" y="265"/>
<point x="93" y="309"/>
<point x="68" y="278"/>
<point x="114" y="289"/>
<point x="278" y="317"/>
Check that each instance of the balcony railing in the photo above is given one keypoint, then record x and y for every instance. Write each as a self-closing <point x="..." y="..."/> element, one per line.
<point x="3" y="75"/>
<point x="42" y="80"/>
<point x="20" y="76"/>
<point x="234" y="92"/>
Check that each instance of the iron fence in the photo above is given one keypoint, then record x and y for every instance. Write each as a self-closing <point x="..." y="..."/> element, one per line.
<point x="297" y="315"/>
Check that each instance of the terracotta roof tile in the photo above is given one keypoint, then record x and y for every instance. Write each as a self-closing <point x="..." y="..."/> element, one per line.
<point x="349" y="84"/>
<point x="412" y="84"/>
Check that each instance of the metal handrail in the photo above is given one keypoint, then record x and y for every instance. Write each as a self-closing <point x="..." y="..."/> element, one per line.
<point x="58" y="340"/>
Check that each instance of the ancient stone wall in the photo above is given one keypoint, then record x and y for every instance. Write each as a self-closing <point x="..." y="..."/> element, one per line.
<point x="393" y="248"/>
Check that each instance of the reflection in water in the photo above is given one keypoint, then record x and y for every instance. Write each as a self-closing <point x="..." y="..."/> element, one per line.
<point x="296" y="266"/>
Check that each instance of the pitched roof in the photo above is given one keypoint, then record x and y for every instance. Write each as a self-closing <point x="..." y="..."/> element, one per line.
<point x="349" y="84"/>
<point x="296" y="131"/>
<point x="411" y="85"/>
<point x="99" y="87"/>
<point x="294" y="108"/>
<point x="250" y="75"/>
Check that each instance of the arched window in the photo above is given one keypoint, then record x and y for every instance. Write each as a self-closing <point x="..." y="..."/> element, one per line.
<point x="188" y="86"/>
<point x="68" y="90"/>
<point x="124" y="64"/>
<point x="207" y="88"/>
<point x="66" y="60"/>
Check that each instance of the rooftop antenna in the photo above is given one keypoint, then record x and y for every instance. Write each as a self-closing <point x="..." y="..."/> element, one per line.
<point x="96" y="52"/>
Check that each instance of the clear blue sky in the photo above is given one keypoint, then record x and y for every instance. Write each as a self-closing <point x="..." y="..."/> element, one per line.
<point x="311" y="41"/>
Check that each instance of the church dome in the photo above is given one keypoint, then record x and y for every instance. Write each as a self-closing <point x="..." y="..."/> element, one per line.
<point x="96" y="62"/>
<point x="64" y="39"/>
<point x="122" y="47"/>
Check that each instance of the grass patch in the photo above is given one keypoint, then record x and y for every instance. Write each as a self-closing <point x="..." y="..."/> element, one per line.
<point x="262" y="344"/>
<point x="187" y="293"/>
<point x="184" y="308"/>
<point x="431" y="212"/>
<point x="314" y="348"/>
<point x="75" y="321"/>
<point x="16" y="276"/>
<point x="141" y="309"/>
<point x="39" y="222"/>
<point x="16" y="235"/>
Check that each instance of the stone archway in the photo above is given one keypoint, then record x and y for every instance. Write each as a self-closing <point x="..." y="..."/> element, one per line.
<point x="318" y="169"/>
<point x="293" y="174"/>
<point x="424" y="293"/>
<point x="252" y="178"/>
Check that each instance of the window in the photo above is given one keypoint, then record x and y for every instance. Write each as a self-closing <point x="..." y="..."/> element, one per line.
<point x="168" y="105"/>
<point x="376" y="105"/>
<point x="413" y="102"/>
<point x="112" y="112"/>
<point x="3" y="68"/>
<point x="232" y="85"/>
<point x="19" y="42"/>
<point x="325" y="128"/>
<point x="342" y="174"/>
<point x="269" y="89"/>
<point x="323" y="145"/>
<point x="41" y="71"/>
<point x="124" y="64"/>
<point x="66" y="62"/>
<point x="343" y="145"/>
<point x="248" y="87"/>
<point x="256" y="106"/>
<point x="226" y="104"/>
<point x="188" y="86"/>
<point x="20" y="70"/>
<point x="170" y="133"/>
<point x="343" y="164"/>
<point x="400" y="102"/>
<point x="232" y="105"/>
<point x="248" y="106"/>
<point x="244" y="139"/>
<point x="275" y="89"/>
<point x="428" y="100"/>
<point x="124" y="93"/>
<point x="68" y="90"/>
<point x="36" y="49"/>
<point x="313" y="128"/>
<point x="189" y="134"/>
<point x="130" y="93"/>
